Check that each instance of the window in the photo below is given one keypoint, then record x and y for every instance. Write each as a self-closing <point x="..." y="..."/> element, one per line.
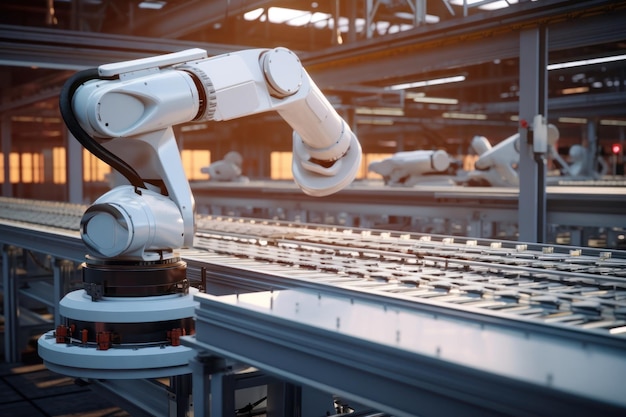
<point x="280" y="166"/>
<point x="31" y="167"/>
<point x="193" y="161"/>
<point x="94" y="170"/>
<point x="14" y="167"/>
<point x="59" y="166"/>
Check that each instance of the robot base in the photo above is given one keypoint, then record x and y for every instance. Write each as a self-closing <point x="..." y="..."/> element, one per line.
<point x="120" y="361"/>
<point x="115" y="363"/>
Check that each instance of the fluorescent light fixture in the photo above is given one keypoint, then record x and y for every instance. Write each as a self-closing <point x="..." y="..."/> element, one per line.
<point x="155" y="5"/>
<point x="193" y="126"/>
<point x="484" y="4"/>
<point x="575" y="120"/>
<point x="253" y="14"/>
<point x="575" y="90"/>
<point x="374" y="121"/>
<point x="380" y="111"/>
<point x="297" y="17"/>
<point x="436" y="100"/>
<point x="409" y="16"/>
<point x="467" y="116"/>
<point x="426" y="83"/>
<point x="613" y="122"/>
<point x="421" y="98"/>
<point x="584" y="62"/>
<point x="291" y="17"/>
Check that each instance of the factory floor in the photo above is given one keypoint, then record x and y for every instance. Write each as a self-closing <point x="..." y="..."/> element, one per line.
<point x="28" y="389"/>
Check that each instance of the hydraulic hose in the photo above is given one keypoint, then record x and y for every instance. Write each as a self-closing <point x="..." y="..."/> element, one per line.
<point x="88" y="142"/>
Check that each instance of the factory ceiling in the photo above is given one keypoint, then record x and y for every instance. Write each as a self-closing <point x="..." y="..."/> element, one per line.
<point x="408" y="73"/>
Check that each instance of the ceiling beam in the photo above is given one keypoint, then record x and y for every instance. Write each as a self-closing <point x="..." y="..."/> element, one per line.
<point x="473" y="40"/>
<point x="194" y="15"/>
<point x="25" y="46"/>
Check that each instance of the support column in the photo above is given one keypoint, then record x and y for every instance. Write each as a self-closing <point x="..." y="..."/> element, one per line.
<point x="213" y="387"/>
<point x="5" y="134"/>
<point x="592" y="148"/>
<point x="180" y="388"/>
<point x="532" y="165"/>
<point x="61" y="273"/>
<point x="74" y="169"/>
<point x="11" y="304"/>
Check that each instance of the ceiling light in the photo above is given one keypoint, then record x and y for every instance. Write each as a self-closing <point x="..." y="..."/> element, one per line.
<point x="576" y="120"/>
<point x="426" y="83"/>
<point x="292" y="17"/>
<point x="374" y="121"/>
<point x="484" y="4"/>
<point x="421" y="98"/>
<point x="584" y="62"/>
<point x="253" y="14"/>
<point x="574" y="90"/>
<point x="155" y="5"/>
<point x="436" y="100"/>
<point x="468" y="116"/>
<point x="613" y="122"/>
<point x="194" y="126"/>
<point x="429" y="18"/>
<point x="380" y="111"/>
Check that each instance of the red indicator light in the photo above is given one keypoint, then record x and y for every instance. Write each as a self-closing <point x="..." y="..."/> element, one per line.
<point x="616" y="148"/>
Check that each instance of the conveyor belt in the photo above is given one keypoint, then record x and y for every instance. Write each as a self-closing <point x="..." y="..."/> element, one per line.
<point x="583" y="288"/>
<point x="552" y="285"/>
<point x="43" y="213"/>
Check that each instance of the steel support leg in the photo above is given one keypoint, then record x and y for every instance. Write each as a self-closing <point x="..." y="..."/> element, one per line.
<point x="213" y="387"/>
<point x="61" y="272"/>
<point x="11" y="304"/>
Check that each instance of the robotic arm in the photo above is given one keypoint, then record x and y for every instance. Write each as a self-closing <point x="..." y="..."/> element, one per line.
<point x="124" y="113"/>
<point x="404" y="167"/>
<point x="498" y="164"/>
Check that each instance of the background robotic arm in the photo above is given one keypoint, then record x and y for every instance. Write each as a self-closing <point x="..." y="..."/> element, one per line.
<point x="497" y="165"/>
<point x="405" y="167"/>
<point x="124" y="113"/>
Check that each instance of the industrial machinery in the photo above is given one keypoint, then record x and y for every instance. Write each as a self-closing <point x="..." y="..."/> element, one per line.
<point x="497" y="165"/>
<point x="227" y="169"/>
<point x="137" y="302"/>
<point x="408" y="168"/>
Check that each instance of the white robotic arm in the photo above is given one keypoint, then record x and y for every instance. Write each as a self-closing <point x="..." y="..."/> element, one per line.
<point x="402" y="166"/>
<point x="124" y="114"/>
<point x="498" y="164"/>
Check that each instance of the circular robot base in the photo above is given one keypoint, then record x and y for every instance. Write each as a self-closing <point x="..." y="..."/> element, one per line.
<point x="131" y="357"/>
<point x="115" y="363"/>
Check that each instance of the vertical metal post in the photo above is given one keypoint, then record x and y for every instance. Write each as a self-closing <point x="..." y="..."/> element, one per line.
<point x="592" y="148"/>
<point x="371" y="7"/>
<point x="201" y="386"/>
<point x="533" y="101"/>
<point x="180" y="386"/>
<point x="283" y="399"/>
<point x="9" y="289"/>
<point x="213" y="387"/>
<point x="74" y="169"/>
<point x="352" y="15"/>
<point x="5" y="136"/>
<point x="61" y="273"/>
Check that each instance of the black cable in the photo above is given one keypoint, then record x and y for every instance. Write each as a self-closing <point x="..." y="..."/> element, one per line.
<point x="250" y="406"/>
<point x="88" y="142"/>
